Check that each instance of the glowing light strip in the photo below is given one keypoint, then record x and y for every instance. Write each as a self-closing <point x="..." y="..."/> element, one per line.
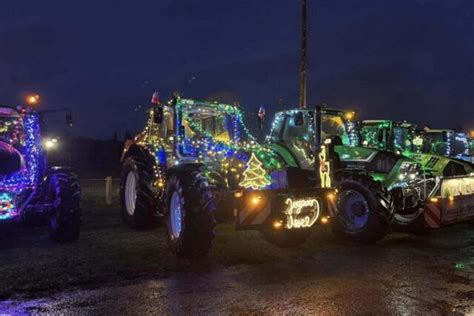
<point x="294" y="210"/>
<point x="32" y="155"/>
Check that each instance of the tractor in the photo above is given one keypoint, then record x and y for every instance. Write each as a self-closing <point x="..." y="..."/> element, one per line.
<point x="30" y="192"/>
<point x="380" y="184"/>
<point x="447" y="192"/>
<point x="368" y="180"/>
<point x="197" y="159"/>
<point x="436" y="150"/>
<point x="446" y="142"/>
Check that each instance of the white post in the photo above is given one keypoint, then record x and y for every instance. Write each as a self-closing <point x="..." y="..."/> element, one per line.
<point x="108" y="190"/>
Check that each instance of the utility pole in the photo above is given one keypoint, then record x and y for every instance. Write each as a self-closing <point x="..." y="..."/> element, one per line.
<point x="303" y="56"/>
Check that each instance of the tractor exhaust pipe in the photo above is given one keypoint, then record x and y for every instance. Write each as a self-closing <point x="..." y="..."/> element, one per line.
<point x="318" y="141"/>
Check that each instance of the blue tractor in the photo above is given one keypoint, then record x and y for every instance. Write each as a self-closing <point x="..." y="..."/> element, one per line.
<point x="30" y="192"/>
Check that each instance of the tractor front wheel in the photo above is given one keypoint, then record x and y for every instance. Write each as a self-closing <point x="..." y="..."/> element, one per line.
<point x="136" y="195"/>
<point x="65" y="216"/>
<point x="190" y="206"/>
<point x="364" y="209"/>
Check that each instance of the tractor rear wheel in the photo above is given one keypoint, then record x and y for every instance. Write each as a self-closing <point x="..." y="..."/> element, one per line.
<point x="190" y="206"/>
<point x="65" y="216"/>
<point x="364" y="208"/>
<point x="136" y="195"/>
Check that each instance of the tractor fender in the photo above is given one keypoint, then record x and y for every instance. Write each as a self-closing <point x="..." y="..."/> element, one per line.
<point x="134" y="149"/>
<point x="217" y="180"/>
<point x="44" y="188"/>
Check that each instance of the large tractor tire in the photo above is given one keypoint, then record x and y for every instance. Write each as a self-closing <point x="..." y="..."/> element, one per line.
<point x="65" y="215"/>
<point x="136" y="194"/>
<point x="365" y="209"/>
<point x="287" y="238"/>
<point x="190" y="206"/>
<point x="412" y="221"/>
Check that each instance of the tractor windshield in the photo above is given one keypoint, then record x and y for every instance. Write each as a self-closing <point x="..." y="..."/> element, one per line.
<point x="461" y="145"/>
<point x="215" y="125"/>
<point x="439" y="143"/>
<point x="12" y="130"/>
<point x="299" y="126"/>
<point x="380" y="135"/>
<point x="374" y="135"/>
<point x="402" y="139"/>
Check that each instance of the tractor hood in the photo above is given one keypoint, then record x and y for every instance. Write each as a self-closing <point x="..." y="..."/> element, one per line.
<point x="385" y="166"/>
<point x="442" y="165"/>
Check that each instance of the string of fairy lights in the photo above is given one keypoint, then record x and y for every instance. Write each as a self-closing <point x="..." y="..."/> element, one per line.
<point x="31" y="151"/>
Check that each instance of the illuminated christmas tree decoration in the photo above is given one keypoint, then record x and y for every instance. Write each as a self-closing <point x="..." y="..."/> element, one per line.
<point x="301" y="213"/>
<point x="255" y="176"/>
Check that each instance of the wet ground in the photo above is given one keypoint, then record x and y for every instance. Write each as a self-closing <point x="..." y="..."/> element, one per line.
<point x="112" y="270"/>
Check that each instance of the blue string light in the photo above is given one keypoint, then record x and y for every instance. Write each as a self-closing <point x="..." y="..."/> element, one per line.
<point x="26" y="178"/>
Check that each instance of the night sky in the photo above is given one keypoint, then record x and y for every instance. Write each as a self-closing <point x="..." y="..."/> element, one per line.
<point x="403" y="59"/>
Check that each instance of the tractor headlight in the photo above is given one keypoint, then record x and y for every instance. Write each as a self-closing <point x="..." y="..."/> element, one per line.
<point x="409" y="171"/>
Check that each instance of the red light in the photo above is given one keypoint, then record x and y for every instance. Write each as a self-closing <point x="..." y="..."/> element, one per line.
<point x="155" y="99"/>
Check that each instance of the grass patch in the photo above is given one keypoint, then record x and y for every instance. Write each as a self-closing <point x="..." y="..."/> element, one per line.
<point x="108" y="251"/>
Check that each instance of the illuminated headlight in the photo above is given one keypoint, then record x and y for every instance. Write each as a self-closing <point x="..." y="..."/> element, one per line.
<point x="409" y="171"/>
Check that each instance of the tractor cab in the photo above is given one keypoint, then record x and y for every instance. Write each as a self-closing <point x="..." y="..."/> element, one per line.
<point x="299" y="124"/>
<point x="293" y="131"/>
<point x="387" y="135"/>
<point x="12" y="128"/>
<point x="12" y="141"/>
<point x="190" y="130"/>
<point x="434" y="150"/>
<point x="448" y="142"/>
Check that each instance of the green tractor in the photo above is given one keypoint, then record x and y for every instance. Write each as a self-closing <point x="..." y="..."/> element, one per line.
<point x="446" y="142"/>
<point x="435" y="150"/>
<point x="444" y="175"/>
<point x="370" y="181"/>
<point x="195" y="159"/>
